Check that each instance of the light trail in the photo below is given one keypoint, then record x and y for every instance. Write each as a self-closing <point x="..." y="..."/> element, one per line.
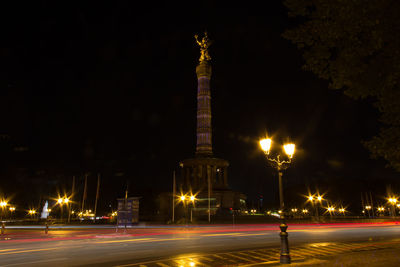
<point x="27" y="251"/>
<point x="141" y="240"/>
<point x="235" y="234"/>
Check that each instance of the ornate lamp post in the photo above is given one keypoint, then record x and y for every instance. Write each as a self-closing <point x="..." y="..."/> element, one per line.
<point x="280" y="165"/>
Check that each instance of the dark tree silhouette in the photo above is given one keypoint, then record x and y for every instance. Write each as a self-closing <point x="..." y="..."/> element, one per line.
<point x="355" y="45"/>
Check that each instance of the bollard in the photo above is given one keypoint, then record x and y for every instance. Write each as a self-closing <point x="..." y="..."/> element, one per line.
<point x="3" y="228"/>
<point x="46" y="229"/>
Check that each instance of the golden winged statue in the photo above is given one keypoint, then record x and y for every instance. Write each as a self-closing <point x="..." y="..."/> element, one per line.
<point x="204" y="44"/>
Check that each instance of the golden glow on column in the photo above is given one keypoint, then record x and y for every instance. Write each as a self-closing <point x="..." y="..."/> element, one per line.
<point x="266" y="144"/>
<point x="289" y="149"/>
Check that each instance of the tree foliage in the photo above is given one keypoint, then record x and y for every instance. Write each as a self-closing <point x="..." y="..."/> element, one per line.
<point x="355" y="45"/>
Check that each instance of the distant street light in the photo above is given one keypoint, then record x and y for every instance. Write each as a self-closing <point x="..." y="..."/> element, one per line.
<point x="3" y="205"/>
<point x="61" y="201"/>
<point x="381" y="210"/>
<point x="32" y="212"/>
<point x="393" y="201"/>
<point x="280" y="165"/>
<point x="185" y="200"/>
<point x="342" y="210"/>
<point x="12" y="209"/>
<point x="331" y="210"/>
<point x="315" y="202"/>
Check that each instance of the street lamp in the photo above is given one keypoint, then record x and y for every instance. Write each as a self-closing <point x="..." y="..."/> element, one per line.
<point x="184" y="199"/>
<point x="280" y="165"/>
<point x="381" y="210"/>
<point x="342" y="211"/>
<point x="11" y="209"/>
<point x="331" y="210"/>
<point x="393" y="201"/>
<point x="61" y="201"/>
<point x="3" y="205"/>
<point x="32" y="212"/>
<point x="317" y="200"/>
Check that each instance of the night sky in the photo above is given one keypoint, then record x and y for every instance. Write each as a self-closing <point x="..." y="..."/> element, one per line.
<point x="111" y="89"/>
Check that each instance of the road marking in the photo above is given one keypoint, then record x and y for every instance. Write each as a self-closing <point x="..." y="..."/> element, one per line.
<point x="207" y="259"/>
<point x="251" y="254"/>
<point x="162" y="264"/>
<point x="223" y="258"/>
<point x="33" y="262"/>
<point x="241" y="258"/>
<point x="198" y="262"/>
<point x="26" y="251"/>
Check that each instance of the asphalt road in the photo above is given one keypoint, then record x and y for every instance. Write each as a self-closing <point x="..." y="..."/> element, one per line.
<point x="106" y="247"/>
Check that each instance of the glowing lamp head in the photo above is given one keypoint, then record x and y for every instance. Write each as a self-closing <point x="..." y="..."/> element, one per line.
<point x="289" y="149"/>
<point x="310" y="198"/>
<point x="182" y="198"/>
<point x="319" y="198"/>
<point x="266" y="144"/>
<point x="60" y="200"/>
<point x="3" y="204"/>
<point x="192" y="198"/>
<point x="66" y="200"/>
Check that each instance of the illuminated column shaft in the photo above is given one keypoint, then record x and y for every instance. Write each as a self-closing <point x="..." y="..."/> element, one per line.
<point x="204" y="130"/>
